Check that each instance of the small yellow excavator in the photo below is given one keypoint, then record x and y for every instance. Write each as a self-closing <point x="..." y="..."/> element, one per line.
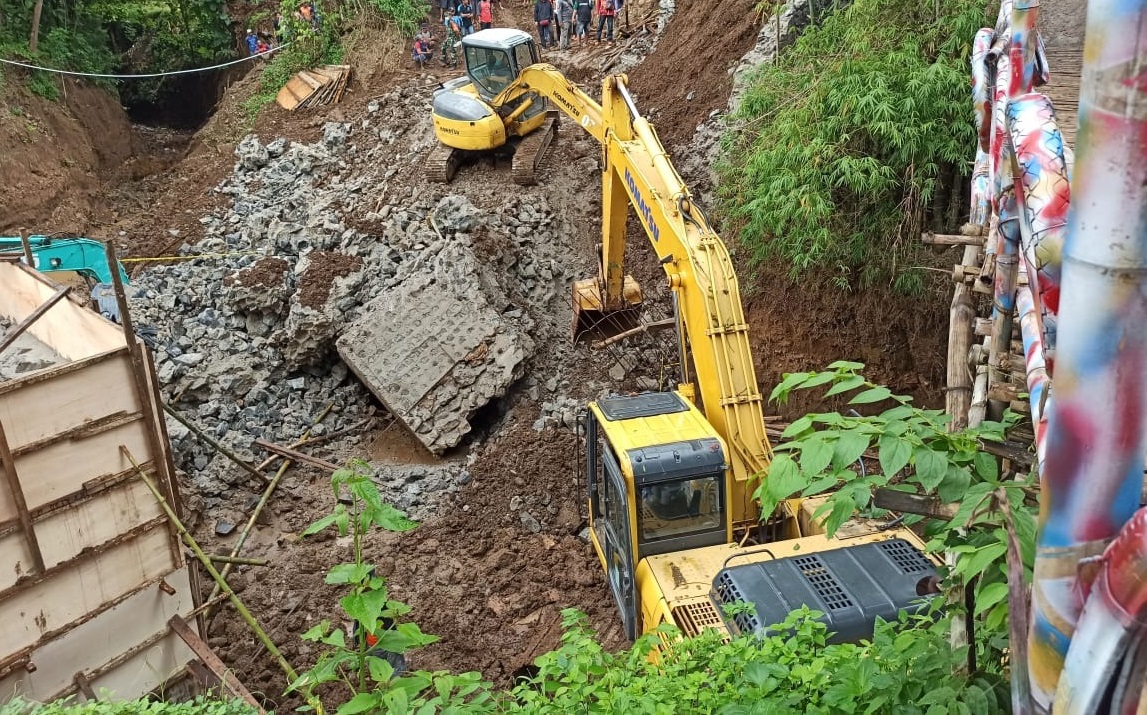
<point x="490" y="108"/>
<point x="670" y="475"/>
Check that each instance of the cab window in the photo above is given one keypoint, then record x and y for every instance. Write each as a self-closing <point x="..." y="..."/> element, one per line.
<point x="489" y="69"/>
<point x="680" y="507"/>
<point x="524" y="54"/>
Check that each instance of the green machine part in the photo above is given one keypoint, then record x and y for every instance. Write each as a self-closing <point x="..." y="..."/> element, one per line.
<point x="82" y="255"/>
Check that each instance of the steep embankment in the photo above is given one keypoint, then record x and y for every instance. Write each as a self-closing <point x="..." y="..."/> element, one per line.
<point x="53" y="155"/>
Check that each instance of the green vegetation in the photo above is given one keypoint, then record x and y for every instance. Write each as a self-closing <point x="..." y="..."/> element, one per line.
<point x="115" y="36"/>
<point x="917" y="454"/>
<point x="844" y="151"/>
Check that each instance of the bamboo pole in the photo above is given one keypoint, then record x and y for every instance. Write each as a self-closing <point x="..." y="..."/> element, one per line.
<point x="27" y="246"/>
<point x="204" y="559"/>
<point x="221" y="559"/>
<point x="214" y="444"/>
<point x="961" y="319"/>
<point x="262" y="503"/>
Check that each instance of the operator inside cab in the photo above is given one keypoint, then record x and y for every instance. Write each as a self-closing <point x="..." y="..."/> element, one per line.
<point x="489" y="68"/>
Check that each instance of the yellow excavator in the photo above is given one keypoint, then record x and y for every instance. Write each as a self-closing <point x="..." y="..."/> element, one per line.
<point x="670" y="475"/>
<point x="492" y="108"/>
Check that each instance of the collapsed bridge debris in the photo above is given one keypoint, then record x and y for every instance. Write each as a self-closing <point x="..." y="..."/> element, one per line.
<point x="434" y="358"/>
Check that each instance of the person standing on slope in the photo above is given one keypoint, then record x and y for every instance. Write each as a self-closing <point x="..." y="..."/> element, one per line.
<point x="606" y="9"/>
<point x="584" y="18"/>
<point x="466" y="12"/>
<point x="565" y="13"/>
<point x="453" y="37"/>
<point x="252" y="43"/>
<point x="485" y="14"/>
<point x="544" y="17"/>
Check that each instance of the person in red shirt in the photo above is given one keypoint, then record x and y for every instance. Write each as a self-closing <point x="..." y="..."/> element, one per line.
<point x="485" y="14"/>
<point x="606" y="9"/>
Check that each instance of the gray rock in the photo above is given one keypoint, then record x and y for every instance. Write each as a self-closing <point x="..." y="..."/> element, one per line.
<point x="252" y="155"/>
<point x="531" y="524"/>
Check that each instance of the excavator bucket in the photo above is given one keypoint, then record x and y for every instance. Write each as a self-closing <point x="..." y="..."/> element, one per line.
<point x="592" y="319"/>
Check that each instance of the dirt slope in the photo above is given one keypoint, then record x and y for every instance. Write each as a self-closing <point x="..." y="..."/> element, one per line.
<point x="54" y="154"/>
<point x="687" y="75"/>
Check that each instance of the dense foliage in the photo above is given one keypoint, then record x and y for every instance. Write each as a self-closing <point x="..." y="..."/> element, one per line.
<point x="843" y="151"/>
<point x="116" y="36"/>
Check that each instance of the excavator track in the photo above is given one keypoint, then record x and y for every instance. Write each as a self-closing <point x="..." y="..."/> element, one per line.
<point x="443" y="163"/>
<point x="531" y="151"/>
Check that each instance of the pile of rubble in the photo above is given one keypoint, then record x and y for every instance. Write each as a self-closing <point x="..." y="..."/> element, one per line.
<point x="341" y="243"/>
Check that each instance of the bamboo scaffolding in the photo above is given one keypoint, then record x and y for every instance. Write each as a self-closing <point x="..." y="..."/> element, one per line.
<point x="204" y="559"/>
<point x="271" y="486"/>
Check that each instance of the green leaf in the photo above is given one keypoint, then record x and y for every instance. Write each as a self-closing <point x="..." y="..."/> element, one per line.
<point x="818" y="379"/>
<point x="360" y="703"/>
<point x="931" y="468"/>
<point x="790" y="381"/>
<point x="348" y="573"/>
<point x="848" y="448"/>
<point x="987" y="468"/>
<point x="875" y="394"/>
<point x="816" y="454"/>
<point x="989" y="595"/>
<point x="381" y="671"/>
<point x="894" y="454"/>
<point x="976" y="563"/>
<point x="328" y="520"/>
<point x="784" y="478"/>
<point x="391" y="519"/>
<point x="797" y="427"/>
<point x="845" y="385"/>
<point x="846" y="365"/>
<point x="955" y="484"/>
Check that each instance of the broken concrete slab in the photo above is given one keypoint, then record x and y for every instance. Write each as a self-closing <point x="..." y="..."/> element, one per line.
<point x="434" y="358"/>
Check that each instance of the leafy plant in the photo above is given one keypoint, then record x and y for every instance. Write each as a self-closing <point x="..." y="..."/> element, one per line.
<point x="917" y="453"/>
<point x="907" y="667"/>
<point x="841" y="153"/>
<point x="366" y="656"/>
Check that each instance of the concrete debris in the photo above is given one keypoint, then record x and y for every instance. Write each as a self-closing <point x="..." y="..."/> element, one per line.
<point x="327" y="244"/>
<point x="562" y="412"/>
<point x="435" y="352"/>
<point x="25" y="355"/>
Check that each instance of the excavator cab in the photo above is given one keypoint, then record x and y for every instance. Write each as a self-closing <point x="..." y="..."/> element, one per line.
<point x="488" y="111"/>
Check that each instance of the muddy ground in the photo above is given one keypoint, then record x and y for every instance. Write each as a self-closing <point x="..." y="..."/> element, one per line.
<point x="481" y="575"/>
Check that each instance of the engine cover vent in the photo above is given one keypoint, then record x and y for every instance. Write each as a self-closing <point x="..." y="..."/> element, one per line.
<point x="852" y="586"/>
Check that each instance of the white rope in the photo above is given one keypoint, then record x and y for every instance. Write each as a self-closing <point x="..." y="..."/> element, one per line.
<point x="143" y="76"/>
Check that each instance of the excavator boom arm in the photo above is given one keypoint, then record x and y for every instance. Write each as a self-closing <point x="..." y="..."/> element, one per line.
<point x="638" y="173"/>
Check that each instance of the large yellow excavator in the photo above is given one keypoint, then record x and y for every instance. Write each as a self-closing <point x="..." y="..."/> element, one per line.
<point x="670" y="475"/>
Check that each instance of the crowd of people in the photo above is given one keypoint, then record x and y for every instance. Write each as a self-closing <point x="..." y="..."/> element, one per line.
<point x="558" y="23"/>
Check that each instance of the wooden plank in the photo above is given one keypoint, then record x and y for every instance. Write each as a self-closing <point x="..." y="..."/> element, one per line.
<point x="909" y="503"/>
<point x="16" y="492"/>
<point x="943" y="239"/>
<point x="312" y="81"/>
<point x="15" y="559"/>
<point x="72" y="331"/>
<point x="14" y="334"/>
<point x="61" y="467"/>
<point x="296" y="455"/>
<point x="97" y="647"/>
<point x="212" y="661"/>
<point x="147" y="395"/>
<point x="1018" y="452"/>
<point x="77" y="588"/>
<point x="57" y="405"/>
<point x="66" y="533"/>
